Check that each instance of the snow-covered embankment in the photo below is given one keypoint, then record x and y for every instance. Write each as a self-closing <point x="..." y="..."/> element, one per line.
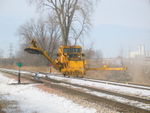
<point x="31" y="99"/>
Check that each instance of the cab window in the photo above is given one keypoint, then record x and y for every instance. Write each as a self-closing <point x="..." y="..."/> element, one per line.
<point x="72" y="50"/>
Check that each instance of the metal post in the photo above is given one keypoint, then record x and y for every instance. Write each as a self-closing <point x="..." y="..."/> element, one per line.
<point x="50" y="69"/>
<point x="19" y="77"/>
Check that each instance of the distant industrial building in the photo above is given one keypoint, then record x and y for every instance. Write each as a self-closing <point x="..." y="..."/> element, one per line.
<point x="139" y="53"/>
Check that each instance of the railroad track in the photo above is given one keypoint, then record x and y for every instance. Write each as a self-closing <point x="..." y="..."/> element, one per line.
<point x="113" y="87"/>
<point x="119" y="84"/>
<point x="124" y="101"/>
<point x="137" y="86"/>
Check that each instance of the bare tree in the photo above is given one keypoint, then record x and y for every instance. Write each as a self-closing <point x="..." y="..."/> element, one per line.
<point x="90" y="53"/>
<point x="46" y="33"/>
<point x="1" y="56"/>
<point x="73" y="16"/>
<point x="11" y="54"/>
<point x="121" y="57"/>
<point x="94" y="57"/>
<point x="1" y="53"/>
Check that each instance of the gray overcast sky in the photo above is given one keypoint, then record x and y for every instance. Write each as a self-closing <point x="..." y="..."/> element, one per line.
<point x="117" y="24"/>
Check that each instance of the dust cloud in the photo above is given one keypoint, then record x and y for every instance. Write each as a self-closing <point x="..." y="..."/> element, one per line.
<point x="138" y="72"/>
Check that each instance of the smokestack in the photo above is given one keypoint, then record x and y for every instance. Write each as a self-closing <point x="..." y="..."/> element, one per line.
<point x="141" y="50"/>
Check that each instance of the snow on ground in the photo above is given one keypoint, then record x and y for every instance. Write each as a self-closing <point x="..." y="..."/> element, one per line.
<point x="31" y="99"/>
<point x="121" y="89"/>
<point x="15" y="71"/>
<point x="111" y="97"/>
<point x="111" y="87"/>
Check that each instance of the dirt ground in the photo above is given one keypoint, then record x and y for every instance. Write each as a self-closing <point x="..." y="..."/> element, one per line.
<point x="2" y="105"/>
<point x="11" y="105"/>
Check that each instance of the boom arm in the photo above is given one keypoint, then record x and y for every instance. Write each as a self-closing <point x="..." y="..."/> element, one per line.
<point x="34" y="49"/>
<point x="107" y="68"/>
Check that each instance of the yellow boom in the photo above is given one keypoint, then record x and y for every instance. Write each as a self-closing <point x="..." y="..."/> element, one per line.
<point x="107" y="68"/>
<point x="34" y="49"/>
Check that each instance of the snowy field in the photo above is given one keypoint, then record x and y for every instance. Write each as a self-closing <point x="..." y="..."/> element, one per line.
<point x="33" y="100"/>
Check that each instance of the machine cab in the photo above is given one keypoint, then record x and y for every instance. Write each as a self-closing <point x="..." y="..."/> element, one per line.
<point x="71" y="60"/>
<point x="72" y="53"/>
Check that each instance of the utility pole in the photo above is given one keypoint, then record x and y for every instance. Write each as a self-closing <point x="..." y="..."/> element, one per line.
<point x="11" y="54"/>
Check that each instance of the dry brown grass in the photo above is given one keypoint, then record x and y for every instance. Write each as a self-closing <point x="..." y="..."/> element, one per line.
<point x="3" y="104"/>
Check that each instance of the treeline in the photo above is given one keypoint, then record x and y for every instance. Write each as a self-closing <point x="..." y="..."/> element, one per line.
<point x="39" y="60"/>
<point x="62" y="22"/>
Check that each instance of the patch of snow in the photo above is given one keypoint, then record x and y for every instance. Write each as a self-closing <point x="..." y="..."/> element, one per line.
<point x="111" y="87"/>
<point x="31" y="99"/>
<point x="121" y="84"/>
<point x="112" y="97"/>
